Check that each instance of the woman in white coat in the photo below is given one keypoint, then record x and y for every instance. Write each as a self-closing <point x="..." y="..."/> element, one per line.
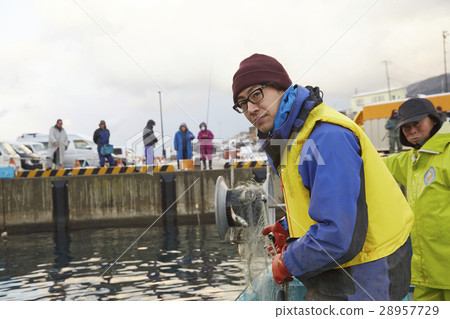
<point x="57" y="145"/>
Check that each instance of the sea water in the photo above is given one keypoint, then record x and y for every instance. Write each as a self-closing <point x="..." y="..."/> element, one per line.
<point x="185" y="262"/>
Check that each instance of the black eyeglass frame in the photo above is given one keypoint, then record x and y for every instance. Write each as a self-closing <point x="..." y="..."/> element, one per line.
<point x="236" y="107"/>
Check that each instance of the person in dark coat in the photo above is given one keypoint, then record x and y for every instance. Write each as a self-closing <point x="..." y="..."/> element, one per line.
<point x="149" y="140"/>
<point x="182" y="143"/>
<point x="205" y="138"/>
<point x="394" y="135"/>
<point x="101" y="137"/>
<point x="442" y="115"/>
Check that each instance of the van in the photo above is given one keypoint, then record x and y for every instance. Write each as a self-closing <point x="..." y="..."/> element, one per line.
<point x="79" y="149"/>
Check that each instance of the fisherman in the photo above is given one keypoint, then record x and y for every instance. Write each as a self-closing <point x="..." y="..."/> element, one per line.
<point x="424" y="171"/>
<point x="345" y="233"/>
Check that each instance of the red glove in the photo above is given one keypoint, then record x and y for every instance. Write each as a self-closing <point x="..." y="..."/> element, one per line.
<point x="280" y="235"/>
<point x="279" y="269"/>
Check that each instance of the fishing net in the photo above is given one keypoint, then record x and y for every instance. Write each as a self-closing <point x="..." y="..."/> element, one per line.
<point x="249" y="211"/>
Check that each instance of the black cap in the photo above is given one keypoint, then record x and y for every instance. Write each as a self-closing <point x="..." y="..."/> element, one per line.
<point x="414" y="110"/>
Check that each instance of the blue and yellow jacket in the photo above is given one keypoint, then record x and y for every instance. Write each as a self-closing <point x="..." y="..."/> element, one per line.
<point x="347" y="218"/>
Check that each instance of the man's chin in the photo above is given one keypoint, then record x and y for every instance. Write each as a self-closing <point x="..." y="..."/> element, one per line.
<point x="264" y="128"/>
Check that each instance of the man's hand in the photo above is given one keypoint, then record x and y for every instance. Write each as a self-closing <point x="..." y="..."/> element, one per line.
<point x="56" y="144"/>
<point x="280" y="236"/>
<point x="279" y="270"/>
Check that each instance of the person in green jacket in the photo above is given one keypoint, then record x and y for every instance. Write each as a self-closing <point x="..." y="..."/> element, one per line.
<point x="425" y="172"/>
<point x="394" y="137"/>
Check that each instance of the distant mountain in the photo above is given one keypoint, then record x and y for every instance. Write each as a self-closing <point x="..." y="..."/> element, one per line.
<point x="434" y="85"/>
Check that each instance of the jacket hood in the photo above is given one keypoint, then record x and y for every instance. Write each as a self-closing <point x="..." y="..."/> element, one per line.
<point x="183" y="124"/>
<point x="150" y="124"/>
<point x="285" y="130"/>
<point x="439" y="140"/>
<point x="203" y="123"/>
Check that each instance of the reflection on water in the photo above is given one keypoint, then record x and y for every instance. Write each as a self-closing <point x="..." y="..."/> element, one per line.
<point x="167" y="263"/>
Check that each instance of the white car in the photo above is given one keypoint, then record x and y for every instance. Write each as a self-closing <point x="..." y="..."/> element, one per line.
<point x="7" y="153"/>
<point x="79" y="149"/>
<point x="37" y="148"/>
<point x="127" y="155"/>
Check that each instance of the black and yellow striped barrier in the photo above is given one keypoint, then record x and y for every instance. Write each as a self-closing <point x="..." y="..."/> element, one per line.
<point x="246" y="164"/>
<point x="86" y="171"/>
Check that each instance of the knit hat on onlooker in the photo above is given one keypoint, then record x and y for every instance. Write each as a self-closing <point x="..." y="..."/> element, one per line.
<point x="259" y="69"/>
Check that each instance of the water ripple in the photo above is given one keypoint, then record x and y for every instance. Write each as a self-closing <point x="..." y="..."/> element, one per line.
<point x="182" y="263"/>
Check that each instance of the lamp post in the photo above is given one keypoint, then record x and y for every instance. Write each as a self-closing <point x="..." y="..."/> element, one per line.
<point x="162" y="127"/>
<point x="387" y="76"/>
<point x="444" y="35"/>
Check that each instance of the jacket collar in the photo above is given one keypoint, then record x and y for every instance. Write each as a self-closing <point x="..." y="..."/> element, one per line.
<point x="275" y="142"/>
<point x="438" y="142"/>
<point x="285" y="130"/>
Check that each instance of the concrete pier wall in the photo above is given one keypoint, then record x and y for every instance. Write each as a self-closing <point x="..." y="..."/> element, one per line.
<point x="114" y="200"/>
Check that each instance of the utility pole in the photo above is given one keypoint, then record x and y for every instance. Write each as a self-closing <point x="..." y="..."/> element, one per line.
<point x="162" y="127"/>
<point x="209" y="97"/>
<point x="387" y="77"/>
<point x="444" y="35"/>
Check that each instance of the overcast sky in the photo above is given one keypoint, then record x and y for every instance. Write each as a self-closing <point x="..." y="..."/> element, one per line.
<point x="88" y="60"/>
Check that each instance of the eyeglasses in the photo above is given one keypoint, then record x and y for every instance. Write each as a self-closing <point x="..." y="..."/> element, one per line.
<point x="254" y="97"/>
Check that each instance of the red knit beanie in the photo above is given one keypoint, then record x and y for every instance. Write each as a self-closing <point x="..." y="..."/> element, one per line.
<point x="259" y="69"/>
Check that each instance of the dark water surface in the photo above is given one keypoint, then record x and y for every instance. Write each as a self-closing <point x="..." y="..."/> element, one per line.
<point x="177" y="263"/>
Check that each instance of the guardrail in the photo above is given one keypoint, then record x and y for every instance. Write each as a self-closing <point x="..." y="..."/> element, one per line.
<point x="85" y="171"/>
<point x="246" y="164"/>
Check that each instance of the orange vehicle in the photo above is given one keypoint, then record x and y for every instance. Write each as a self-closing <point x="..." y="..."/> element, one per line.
<point x="373" y="117"/>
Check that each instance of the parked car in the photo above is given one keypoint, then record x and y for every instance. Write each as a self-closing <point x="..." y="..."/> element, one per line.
<point x="34" y="137"/>
<point x="127" y="155"/>
<point x="79" y="149"/>
<point x="7" y="153"/>
<point x="28" y="159"/>
<point x="37" y="148"/>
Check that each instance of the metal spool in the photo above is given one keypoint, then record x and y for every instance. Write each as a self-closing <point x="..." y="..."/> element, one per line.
<point x="242" y="206"/>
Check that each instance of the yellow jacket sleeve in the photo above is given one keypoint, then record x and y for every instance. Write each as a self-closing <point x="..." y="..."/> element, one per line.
<point x="398" y="165"/>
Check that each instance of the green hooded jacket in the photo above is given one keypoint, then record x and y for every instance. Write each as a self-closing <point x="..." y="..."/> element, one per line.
<point x="426" y="175"/>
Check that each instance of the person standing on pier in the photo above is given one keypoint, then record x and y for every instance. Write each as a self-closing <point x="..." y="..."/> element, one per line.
<point x="205" y="138"/>
<point x="149" y="140"/>
<point x="394" y="135"/>
<point x="182" y="143"/>
<point x="57" y="145"/>
<point x="101" y="138"/>
<point x="442" y="115"/>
